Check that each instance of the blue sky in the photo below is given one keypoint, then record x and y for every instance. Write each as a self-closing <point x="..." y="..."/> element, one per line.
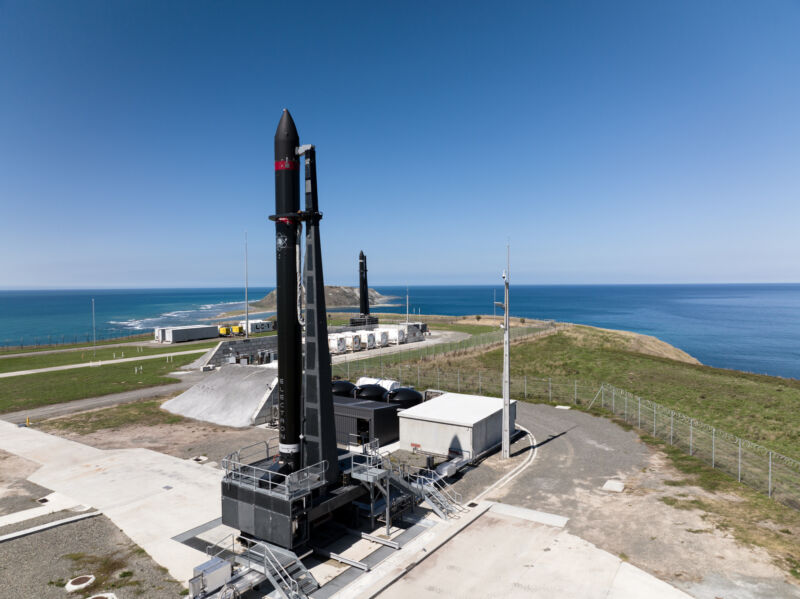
<point x="613" y="142"/>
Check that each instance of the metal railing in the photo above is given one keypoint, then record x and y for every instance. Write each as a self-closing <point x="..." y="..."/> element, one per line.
<point x="248" y="468"/>
<point x="758" y="467"/>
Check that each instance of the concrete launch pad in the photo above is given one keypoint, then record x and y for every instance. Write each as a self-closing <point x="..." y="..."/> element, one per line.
<point x="492" y="550"/>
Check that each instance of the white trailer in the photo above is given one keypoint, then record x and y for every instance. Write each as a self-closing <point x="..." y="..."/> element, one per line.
<point x="337" y="344"/>
<point x="454" y="424"/>
<point x="353" y="341"/>
<point x="258" y="326"/>
<point x="186" y="333"/>
<point x="367" y="339"/>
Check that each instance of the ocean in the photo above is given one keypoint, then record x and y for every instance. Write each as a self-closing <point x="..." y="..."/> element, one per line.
<point x="755" y="328"/>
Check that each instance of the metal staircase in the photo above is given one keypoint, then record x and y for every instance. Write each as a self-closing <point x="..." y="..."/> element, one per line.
<point x="429" y="488"/>
<point x="282" y="568"/>
<point x="258" y="562"/>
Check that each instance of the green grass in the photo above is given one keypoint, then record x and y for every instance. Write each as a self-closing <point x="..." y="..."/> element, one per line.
<point x="13" y="349"/>
<point x="13" y="364"/>
<point x="760" y="408"/>
<point x="752" y="517"/>
<point x="145" y="413"/>
<point x="35" y="390"/>
<point x="472" y="329"/>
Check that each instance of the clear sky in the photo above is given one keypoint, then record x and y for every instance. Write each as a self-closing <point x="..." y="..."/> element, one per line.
<point x="612" y="142"/>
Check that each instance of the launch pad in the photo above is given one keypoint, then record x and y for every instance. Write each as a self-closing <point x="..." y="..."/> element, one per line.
<point x="282" y="499"/>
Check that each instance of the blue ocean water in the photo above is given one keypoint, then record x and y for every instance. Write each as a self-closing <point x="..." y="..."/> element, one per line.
<point x="755" y="328"/>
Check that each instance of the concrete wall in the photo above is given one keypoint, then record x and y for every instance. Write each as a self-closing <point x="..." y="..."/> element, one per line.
<point x="242" y="347"/>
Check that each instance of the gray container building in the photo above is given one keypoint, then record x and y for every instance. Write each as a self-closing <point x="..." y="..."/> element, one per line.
<point x="454" y="424"/>
<point x="364" y="419"/>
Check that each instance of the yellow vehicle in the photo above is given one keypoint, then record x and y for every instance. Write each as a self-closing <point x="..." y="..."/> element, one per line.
<point x="237" y="330"/>
<point x="225" y="331"/>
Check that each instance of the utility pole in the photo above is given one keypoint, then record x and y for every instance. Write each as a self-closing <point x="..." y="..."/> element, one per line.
<point x="94" y="333"/>
<point x="246" y="304"/>
<point x="506" y="365"/>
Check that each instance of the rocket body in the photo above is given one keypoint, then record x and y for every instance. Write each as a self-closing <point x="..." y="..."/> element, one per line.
<point x="287" y="205"/>
<point x="363" y="295"/>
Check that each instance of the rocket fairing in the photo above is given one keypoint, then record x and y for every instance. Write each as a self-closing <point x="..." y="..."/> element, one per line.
<point x="287" y="223"/>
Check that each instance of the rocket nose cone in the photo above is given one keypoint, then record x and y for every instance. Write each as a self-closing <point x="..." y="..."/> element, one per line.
<point x="286" y="128"/>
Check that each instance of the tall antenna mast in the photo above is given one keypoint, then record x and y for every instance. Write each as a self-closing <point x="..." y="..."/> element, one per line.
<point x="506" y="365"/>
<point x="94" y="333"/>
<point x="246" y="303"/>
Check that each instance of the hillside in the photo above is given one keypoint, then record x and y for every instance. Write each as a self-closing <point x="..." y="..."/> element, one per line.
<point x="336" y="296"/>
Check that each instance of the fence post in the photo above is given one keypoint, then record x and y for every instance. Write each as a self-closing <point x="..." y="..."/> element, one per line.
<point x="525" y="383"/>
<point x="640" y="412"/>
<point x="613" y="399"/>
<point x="348" y="366"/>
<point x="671" y="424"/>
<point x="458" y="380"/>
<point x="399" y="374"/>
<point x="603" y="395"/>
<point x="691" y="436"/>
<point x="626" y="408"/>
<point x="713" y="447"/>
<point x="654" y="419"/>
<point x="480" y="386"/>
<point x="740" y="460"/>
<point x="438" y="384"/>
<point x="575" y="394"/>
<point x="769" y="484"/>
<point x="418" y="383"/>
<point x="550" y="389"/>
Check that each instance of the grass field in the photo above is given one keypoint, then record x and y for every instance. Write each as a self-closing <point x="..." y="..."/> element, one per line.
<point x="141" y="413"/>
<point x="34" y="390"/>
<point x="760" y="408"/>
<point x="13" y="364"/>
<point x="13" y="349"/>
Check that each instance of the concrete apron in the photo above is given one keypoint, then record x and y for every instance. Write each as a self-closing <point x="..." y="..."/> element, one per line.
<point x="511" y="552"/>
<point x="150" y="496"/>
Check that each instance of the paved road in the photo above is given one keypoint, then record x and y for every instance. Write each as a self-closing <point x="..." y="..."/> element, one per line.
<point x="105" y="346"/>
<point x="101" y="363"/>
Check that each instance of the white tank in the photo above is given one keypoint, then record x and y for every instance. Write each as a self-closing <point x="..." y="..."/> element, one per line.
<point x="381" y="338"/>
<point x="387" y="384"/>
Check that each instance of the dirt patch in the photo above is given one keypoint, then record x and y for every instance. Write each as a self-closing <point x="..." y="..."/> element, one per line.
<point x="185" y="439"/>
<point x="661" y="527"/>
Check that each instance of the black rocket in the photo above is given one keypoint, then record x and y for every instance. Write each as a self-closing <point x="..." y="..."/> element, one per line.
<point x="287" y="225"/>
<point x="363" y="295"/>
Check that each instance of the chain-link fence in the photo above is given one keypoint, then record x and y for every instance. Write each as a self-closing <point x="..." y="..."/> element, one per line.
<point x="776" y="475"/>
<point x="55" y="341"/>
<point x="387" y="360"/>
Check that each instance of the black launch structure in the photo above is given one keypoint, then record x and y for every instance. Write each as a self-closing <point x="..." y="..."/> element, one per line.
<point x="276" y="496"/>
<point x="364" y="318"/>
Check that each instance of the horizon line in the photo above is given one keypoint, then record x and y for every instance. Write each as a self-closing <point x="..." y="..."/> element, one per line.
<point x="399" y="285"/>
